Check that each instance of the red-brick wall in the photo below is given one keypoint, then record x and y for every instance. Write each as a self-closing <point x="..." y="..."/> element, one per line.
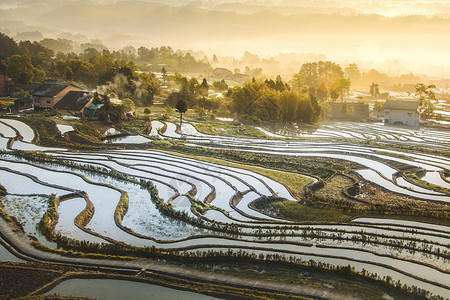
<point x="3" y="79"/>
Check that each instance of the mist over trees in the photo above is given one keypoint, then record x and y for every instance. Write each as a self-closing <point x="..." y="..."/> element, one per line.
<point x="122" y="74"/>
<point x="371" y="33"/>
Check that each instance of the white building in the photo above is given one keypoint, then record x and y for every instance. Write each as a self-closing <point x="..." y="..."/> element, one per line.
<point x="402" y="112"/>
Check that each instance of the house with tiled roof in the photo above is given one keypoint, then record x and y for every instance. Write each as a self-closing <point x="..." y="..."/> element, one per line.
<point x="402" y="112"/>
<point x="220" y="73"/>
<point x="74" y="102"/>
<point x="50" y="93"/>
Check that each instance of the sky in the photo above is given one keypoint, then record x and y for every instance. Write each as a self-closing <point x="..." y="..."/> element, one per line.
<point x="413" y="34"/>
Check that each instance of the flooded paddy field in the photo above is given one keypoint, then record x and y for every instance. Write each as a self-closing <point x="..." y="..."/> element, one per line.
<point x="202" y="206"/>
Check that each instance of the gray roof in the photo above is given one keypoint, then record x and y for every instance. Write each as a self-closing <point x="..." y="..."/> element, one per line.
<point x="402" y="104"/>
<point x="49" y="89"/>
<point x="74" y="100"/>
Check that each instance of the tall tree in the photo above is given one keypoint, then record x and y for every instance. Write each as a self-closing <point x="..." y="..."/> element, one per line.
<point x="374" y="90"/>
<point x="352" y="72"/>
<point x="164" y="75"/>
<point x="425" y="92"/>
<point x="181" y="108"/>
<point x="8" y="46"/>
<point x="203" y="89"/>
<point x="298" y="82"/>
<point x="426" y="95"/>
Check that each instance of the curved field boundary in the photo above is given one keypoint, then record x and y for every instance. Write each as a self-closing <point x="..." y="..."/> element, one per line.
<point x="297" y="243"/>
<point x="440" y="285"/>
<point x="97" y="163"/>
<point x="25" y="131"/>
<point x="199" y="246"/>
<point x="16" y="132"/>
<point x="23" y="248"/>
<point x="355" y="226"/>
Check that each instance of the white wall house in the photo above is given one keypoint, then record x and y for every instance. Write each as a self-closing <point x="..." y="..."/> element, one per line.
<point x="402" y="112"/>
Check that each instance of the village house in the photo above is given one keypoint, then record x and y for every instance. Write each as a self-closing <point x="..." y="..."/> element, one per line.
<point x="74" y="102"/>
<point x="50" y="93"/>
<point x="220" y="73"/>
<point x="402" y="112"/>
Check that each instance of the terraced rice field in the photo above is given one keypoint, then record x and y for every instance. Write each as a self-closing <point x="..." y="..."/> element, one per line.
<point x="414" y="253"/>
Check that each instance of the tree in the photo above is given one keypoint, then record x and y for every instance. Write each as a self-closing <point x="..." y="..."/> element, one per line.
<point x="68" y="74"/>
<point x="220" y="85"/>
<point x="352" y="72"/>
<point x="374" y="90"/>
<point x="203" y="88"/>
<point x="8" y="46"/>
<point x="279" y="85"/>
<point x="245" y="98"/>
<point x="340" y="85"/>
<point x="128" y="104"/>
<point x="39" y="75"/>
<point x="320" y="73"/>
<point x="425" y="92"/>
<point x="334" y="95"/>
<point x="181" y="108"/>
<point x="322" y="93"/>
<point x="298" y="82"/>
<point x="20" y="69"/>
<point x="164" y="74"/>
<point x="104" y="68"/>
<point x="426" y="95"/>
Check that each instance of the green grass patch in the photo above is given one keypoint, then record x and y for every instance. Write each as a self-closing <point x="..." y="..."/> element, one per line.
<point x="298" y="212"/>
<point x="230" y="130"/>
<point x="334" y="186"/>
<point x="5" y="103"/>
<point x="398" y="155"/>
<point x="207" y="128"/>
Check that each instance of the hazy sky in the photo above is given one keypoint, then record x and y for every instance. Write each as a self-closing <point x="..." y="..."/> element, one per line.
<point x="415" y="34"/>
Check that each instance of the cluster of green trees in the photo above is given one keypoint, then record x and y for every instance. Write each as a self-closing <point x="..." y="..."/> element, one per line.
<point x="253" y="102"/>
<point x="189" y="90"/>
<point x="35" y="61"/>
<point x="109" y="112"/>
<point x="325" y="79"/>
<point x="175" y="61"/>
<point x="24" y="61"/>
<point x="268" y="102"/>
<point x="27" y="62"/>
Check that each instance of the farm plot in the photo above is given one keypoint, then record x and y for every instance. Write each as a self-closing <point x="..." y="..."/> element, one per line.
<point x="339" y="250"/>
<point x="24" y="130"/>
<point x="369" y="157"/>
<point x="221" y="194"/>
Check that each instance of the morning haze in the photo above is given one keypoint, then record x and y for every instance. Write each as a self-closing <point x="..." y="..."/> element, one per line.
<point x="365" y="32"/>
